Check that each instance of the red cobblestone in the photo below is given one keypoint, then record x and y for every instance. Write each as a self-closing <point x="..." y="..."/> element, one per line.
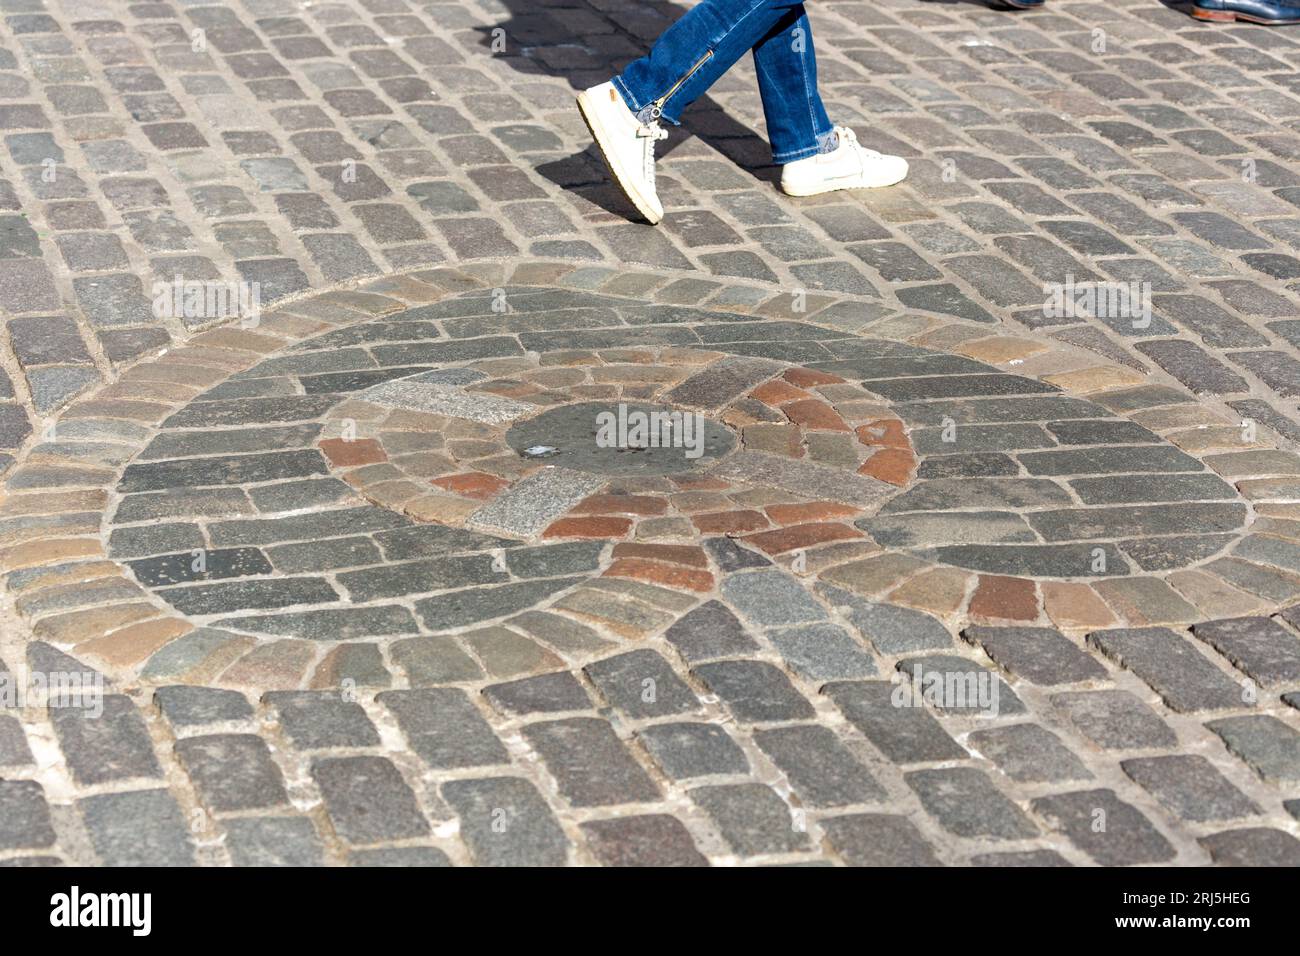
<point x="594" y="527"/>
<point x="667" y="575"/>
<point x="474" y="484"/>
<point x="807" y="378"/>
<point x="359" y="451"/>
<point x="802" y="536"/>
<point x="814" y="414"/>
<point x="884" y="433"/>
<point x="777" y="392"/>
<point x="621" y="504"/>
<point x="892" y="465"/>
<point x="1007" y="599"/>
<point x="808" y="511"/>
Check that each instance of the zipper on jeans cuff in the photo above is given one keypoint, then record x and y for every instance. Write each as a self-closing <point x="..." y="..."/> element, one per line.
<point x="657" y="107"/>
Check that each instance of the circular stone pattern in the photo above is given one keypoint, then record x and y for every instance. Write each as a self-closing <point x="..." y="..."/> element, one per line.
<point x="374" y="485"/>
<point x="623" y="439"/>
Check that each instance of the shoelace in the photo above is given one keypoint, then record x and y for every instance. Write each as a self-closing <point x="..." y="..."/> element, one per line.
<point x="650" y="132"/>
<point x="847" y="135"/>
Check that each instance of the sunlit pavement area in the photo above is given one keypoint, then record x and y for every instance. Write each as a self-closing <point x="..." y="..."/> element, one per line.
<point x="977" y="542"/>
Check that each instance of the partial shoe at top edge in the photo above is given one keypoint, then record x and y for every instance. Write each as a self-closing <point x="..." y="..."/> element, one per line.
<point x="1251" y="11"/>
<point x="849" y="166"/>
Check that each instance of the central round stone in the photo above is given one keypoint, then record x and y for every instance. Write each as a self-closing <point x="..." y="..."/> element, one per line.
<point x="624" y="438"/>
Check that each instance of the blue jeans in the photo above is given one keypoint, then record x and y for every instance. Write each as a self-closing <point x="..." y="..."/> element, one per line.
<point x="691" y="54"/>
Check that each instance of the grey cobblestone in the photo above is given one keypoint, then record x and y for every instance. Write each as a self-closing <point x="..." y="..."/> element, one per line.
<point x="444" y="728"/>
<point x="367" y="800"/>
<point x="1190" y="786"/>
<point x="237" y="165"/>
<point x="24" y="816"/>
<point x="114" y="745"/>
<point x="232" y="771"/>
<point x="752" y="819"/>
<point x="878" y="839"/>
<point x="1124" y="836"/>
<point x="966" y="803"/>
<point x="590" y="764"/>
<point x="139" y="828"/>
<point x="1269" y="746"/>
<point x="1180" y="675"/>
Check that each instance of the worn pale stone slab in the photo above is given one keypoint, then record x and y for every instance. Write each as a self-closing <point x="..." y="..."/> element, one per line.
<point x="534" y="502"/>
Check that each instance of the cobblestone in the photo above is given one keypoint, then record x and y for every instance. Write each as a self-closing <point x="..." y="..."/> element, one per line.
<point x="306" y="543"/>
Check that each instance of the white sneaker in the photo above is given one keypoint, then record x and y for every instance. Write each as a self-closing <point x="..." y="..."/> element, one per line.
<point x="627" y="144"/>
<point x="849" y="166"/>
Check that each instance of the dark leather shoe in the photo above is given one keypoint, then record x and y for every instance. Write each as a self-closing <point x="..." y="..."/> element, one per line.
<point x="1252" y="11"/>
<point x="1022" y="4"/>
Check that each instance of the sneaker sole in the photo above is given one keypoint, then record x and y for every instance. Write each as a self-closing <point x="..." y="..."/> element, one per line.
<point x="621" y="178"/>
<point x="799" y="191"/>
<point x="1228" y="16"/>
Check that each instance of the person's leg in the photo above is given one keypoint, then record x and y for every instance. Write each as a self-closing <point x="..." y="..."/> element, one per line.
<point x="687" y="59"/>
<point x="797" y="124"/>
<point x="691" y="54"/>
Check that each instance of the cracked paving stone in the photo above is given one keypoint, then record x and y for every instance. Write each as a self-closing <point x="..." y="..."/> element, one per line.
<point x="771" y="598"/>
<point x="590" y="764"/>
<point x="434" y="660"/>
<point x="822" y="652"/>
<point x="890" y="629"/>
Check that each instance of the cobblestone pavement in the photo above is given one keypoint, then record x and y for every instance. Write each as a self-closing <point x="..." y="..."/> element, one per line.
<point x="363" y="588"/>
